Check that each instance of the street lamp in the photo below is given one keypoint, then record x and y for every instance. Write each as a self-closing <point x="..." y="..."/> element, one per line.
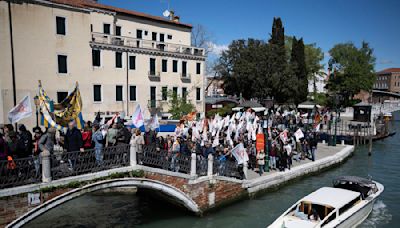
<point x="37" y="103"/>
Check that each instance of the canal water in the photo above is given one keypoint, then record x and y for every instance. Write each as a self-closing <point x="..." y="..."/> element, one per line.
<point x="130" y="210"/>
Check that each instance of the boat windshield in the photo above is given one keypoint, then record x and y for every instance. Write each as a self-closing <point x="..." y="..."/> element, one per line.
<point x="310" y="211"/>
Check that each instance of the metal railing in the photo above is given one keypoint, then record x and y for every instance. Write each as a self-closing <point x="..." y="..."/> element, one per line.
<point x="185" y="77"/>
<point x="227" y="168"/>
<point x="162" y="159"/>
<point x="125" y="41"/>
<point x="75" y="163"/>
<point x="21" y="171"/>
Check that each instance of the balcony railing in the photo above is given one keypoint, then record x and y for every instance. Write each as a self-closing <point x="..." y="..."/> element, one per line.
<point x="125" y="41"/>
<point x="185" y="77"/>
<point x="155" y="76"/>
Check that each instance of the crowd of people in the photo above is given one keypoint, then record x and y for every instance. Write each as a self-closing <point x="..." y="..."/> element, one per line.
<point x="266" y="141"/>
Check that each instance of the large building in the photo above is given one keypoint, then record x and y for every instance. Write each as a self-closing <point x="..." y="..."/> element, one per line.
<point x="120" y="58"/>
<point x="388" y="80"/>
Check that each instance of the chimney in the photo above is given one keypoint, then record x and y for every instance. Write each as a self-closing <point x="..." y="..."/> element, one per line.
<point x="172" y="16"/>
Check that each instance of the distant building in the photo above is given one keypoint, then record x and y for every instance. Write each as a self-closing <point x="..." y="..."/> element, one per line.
<point x="388" y="80"/>
<point x="119" y="57"/>
<point x="214" y="87"/>
<point x="320" y="85"/>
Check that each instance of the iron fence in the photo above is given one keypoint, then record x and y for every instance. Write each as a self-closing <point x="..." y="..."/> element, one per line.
<point x="21" y="171"/>
<point x="228" y="168"/>
<point x="75" y="163"/>
<point x="162" y="159"/>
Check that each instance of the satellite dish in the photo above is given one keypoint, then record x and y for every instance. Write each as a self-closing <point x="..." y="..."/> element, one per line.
<point x="166" y="13"/>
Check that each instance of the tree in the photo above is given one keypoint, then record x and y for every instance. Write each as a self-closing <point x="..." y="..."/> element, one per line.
<point x="280" y="74"/>
<point x="315" y="69"/>
<point x="313" y="57"/>
<point x="243" y="68"/>
<point x="353" y="69"/>
<point x="298" y="64"/>
<point x="178" y="105"/>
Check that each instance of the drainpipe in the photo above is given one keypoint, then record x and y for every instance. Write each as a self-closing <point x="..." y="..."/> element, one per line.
<point x="12" y="56"/>
<point x="127" y="83"/>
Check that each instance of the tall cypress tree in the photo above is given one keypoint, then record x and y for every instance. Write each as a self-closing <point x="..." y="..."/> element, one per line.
<point x="279" y="74"/>
<point x="298" y="65"/>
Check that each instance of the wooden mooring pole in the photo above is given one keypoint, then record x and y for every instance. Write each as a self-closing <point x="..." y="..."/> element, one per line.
<point x="370" y="141"/>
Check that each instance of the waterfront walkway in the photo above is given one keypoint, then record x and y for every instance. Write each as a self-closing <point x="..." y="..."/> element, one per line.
<point x="323" y="151"/>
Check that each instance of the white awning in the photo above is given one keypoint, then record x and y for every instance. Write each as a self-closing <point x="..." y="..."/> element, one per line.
<point x="258" y="109"/>
<point x="308" y="106"/>
<point x="237" y="109"/>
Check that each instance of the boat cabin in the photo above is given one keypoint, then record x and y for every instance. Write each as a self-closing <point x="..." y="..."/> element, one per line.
<point x="358" y="184"/>
<point x="321" y="207"/>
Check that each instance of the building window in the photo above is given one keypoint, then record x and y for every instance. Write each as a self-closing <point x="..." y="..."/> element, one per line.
<point x="118" y="93"/>
<point x="132" y="93"/>
<point x="118" y="30"/>
<point x="198" y="68"/>
<point x="97" y="93"/>
<point x="174" y="66"/>
<point x="184" y="68"/>
<point x="175" y="91"/>
<point x="132" y="62"/>
<point x="106" y="29"/>
<point x="139" y="34"/>
<point x="61" y="96"/>
<point x="152" y="96"/>
<point x="62" y="64"/>
<point x="184" y="93"/>
<point x="95" y="57"/>
<point x="60" y="21"/>
<point x="169" y="37"/>
<point x="118" y="59"/>
<point x="164" y="65"/>
<point x="152" y="66"/>
<point x="198" y="94"/>
<point x="154" y="36"/>
<point x="164" y="93"/>
<point x="162" y="37"/>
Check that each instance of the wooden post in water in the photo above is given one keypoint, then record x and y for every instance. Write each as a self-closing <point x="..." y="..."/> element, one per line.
<point x="370" y="142"/>
<point x="354" y="137"/>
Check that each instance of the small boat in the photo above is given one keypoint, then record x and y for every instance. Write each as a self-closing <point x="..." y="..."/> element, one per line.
<point x="387" y="116"/>
<point x="347" y="204"/>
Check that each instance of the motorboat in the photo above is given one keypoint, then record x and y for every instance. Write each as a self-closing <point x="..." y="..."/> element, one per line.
<point x="347" y="204"/>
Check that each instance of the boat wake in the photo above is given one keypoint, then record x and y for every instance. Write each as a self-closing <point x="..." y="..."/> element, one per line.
<point x="380" y="215"/>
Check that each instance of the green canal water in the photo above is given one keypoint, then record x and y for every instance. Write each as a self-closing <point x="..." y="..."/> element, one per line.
<point x="130" y="210"/>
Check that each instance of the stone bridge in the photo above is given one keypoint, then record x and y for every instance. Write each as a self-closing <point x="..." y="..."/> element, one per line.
<point x="193" y="182"/>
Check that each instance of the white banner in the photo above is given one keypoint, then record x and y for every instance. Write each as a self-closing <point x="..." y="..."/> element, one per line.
<point x="21" y="111"/>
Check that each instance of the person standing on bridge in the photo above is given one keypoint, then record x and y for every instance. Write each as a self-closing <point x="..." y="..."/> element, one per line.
<point x="73" y="142"/>
<point x="97" y="139"/>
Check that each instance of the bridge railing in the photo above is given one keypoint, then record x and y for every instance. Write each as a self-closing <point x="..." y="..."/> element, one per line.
<point x="76" y="163"/>
<point x="48" y="167"/>
<point x="19" y="172"/>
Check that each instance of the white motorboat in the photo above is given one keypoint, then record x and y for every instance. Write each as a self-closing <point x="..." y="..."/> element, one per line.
<point x="347" y="204"/>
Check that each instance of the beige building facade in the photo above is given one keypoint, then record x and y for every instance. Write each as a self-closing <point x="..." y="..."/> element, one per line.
<point x="388" y="80"/>
<point x="120" y="58"/>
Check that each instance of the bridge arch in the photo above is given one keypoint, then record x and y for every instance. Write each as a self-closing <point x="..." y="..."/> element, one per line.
<point x="169" y="190"/>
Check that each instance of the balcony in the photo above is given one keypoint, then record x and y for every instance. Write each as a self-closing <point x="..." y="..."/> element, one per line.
<point x="157" y="106"/>
<point x="154" y="76"/>
<point x="185" y="77"/>
<point x="106" y="40"/>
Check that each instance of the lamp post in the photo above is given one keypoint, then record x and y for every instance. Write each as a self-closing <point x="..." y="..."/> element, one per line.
<point x="37" y="103"/>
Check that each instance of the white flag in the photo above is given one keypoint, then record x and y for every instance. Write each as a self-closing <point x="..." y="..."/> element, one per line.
<point x="137" y="117"/>
<point x="154" y="124"/>
<point x="298" y="134"/>
<point x="21" y="111"/>
<point x="239" y="152"/>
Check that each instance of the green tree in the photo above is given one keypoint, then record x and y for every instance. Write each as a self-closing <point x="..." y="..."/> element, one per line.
<point x="243" y="69"/>
<point x="280" y="74"/>
<point x="179" y="105"/>
<point x="298" y="64"/>
<point x="353" y="69"/>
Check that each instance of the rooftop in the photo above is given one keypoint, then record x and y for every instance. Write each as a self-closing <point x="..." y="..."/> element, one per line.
<point x="334" y="197"/>
<point x="94" y="4"/>
<point x="388" y="70"/>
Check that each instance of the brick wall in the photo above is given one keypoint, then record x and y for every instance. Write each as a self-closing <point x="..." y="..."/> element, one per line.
<point x="13" y="207"/>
